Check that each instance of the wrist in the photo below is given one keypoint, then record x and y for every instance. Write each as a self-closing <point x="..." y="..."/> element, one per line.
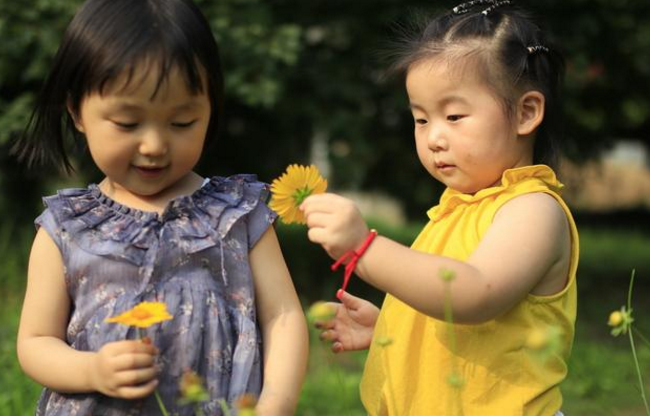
<point x="90" y="371"/>
<point x="350" y="259"/>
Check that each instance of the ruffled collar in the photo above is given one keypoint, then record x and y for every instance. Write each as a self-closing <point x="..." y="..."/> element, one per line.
<point x="106" y="227"/>
<point x="451" y="198"/>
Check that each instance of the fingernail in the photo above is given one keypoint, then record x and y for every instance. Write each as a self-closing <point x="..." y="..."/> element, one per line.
<point x="339" y="294"/>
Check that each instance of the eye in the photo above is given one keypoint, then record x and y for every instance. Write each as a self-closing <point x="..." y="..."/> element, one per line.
<point x="421" y="121"/>
<point x="183" y="125"/>
<point x="124" y="125"/>
<point x="455" y="117"/>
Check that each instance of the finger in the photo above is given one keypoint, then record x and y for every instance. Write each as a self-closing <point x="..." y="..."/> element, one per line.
<point x="137" y="392"/>
<point x="317" y="235"/>
<point x="328" y="335"/>
<point x="317" y="219"/>
<point x="134" y="361"/>
<point x="319" y="202"/>
<point x="350" y="302"/>
<point x="136" y="377"/>
<point x="337" y="347"/>
<point x="134" y="346"/>
<point x="324" y="324"/>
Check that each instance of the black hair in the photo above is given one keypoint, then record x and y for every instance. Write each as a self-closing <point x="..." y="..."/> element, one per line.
<point x="106" y="38"/>
<point x="511" y="49"/>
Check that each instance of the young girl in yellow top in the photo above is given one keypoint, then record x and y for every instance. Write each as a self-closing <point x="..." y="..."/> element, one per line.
<point x="482" y="84"/>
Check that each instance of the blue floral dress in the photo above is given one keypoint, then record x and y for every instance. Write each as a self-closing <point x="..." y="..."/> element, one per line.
<point x="194" y="258"/>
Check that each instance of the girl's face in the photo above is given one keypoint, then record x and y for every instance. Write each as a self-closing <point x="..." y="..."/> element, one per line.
<point x="145" y="140"/>
<point x="463" y="136"/>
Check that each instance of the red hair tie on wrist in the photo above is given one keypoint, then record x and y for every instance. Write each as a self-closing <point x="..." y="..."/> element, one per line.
<point x="353" y="256"/>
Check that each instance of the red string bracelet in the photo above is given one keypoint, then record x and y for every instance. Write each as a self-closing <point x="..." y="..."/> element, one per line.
<point x="353" y="256"/>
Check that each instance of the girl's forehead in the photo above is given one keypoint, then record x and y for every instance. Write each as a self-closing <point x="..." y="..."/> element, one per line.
<point x="150" y="77"/>
<point x="454" y="67"/>
<point x="434" y="76"/>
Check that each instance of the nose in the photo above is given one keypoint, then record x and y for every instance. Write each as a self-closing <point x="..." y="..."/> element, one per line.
<point x="153" y="143"/>
<point x="436" y="139"/>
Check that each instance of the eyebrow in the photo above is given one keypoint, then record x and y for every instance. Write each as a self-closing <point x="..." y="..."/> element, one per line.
<point x="125" y="106"/>
<point x="444" y="101"/>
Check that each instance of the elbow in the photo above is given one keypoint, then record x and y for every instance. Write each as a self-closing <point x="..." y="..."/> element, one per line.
<point x="476" y="310"/>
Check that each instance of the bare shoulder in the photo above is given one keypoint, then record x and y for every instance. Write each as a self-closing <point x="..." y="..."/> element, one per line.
<point x="541" y="209"/>
<point x="542" y="224"/>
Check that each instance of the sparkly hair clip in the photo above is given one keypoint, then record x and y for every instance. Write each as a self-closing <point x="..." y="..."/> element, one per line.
<point x="465" y="7"/>
<point x="537" y="49"/>
<point x="495" y="5"/>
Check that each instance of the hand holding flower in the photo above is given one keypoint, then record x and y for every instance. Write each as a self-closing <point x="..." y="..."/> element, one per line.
<point x="335" y="223"/>
<point x="125" y="369"/>
<point x="128" y="373"/>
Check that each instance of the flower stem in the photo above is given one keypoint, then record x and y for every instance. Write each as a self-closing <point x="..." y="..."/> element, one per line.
<point x="224" y="407"/>
<point x="160" y="403"/>
<point x="454" y="378"/>
<point x="636" y="359"/>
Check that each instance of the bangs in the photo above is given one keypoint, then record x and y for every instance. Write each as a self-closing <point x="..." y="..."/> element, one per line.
<point x="121" y="76"/>
<point x="117" y="36"/>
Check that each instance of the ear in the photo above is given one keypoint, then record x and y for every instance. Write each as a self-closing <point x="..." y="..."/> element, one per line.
<point x="530" y="112"/>
<point x="75" y="117"/>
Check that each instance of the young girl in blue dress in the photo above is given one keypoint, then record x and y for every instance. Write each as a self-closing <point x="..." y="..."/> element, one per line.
<point x="139" y="83"/>
<point x="501" y="247"/>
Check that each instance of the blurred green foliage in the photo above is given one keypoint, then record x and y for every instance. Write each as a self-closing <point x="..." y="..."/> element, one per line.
<point x="297" y="69"/>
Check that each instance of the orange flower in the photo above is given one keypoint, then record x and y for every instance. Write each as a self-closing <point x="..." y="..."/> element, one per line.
<point x="143" y="315"/>
<point x="289" y="190"/>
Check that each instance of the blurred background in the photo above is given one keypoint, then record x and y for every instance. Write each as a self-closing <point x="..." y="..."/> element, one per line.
<point x="305" y="83"/>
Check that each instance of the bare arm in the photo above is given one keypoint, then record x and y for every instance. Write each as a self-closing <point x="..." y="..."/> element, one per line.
<point x="283" y="326"/>
<point x="526" y="250"/>
<point x="124" y="369"/>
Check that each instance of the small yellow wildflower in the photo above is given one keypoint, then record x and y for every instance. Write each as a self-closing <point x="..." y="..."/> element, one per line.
<point x="621" y="321"/>
<point x="447" y="275"/>
<point x="544" y="342"/>
<point x="384" y="341"/>
<point x="143" y="315"/>
<point x="615" y="318"/>
<point x="289" y="190"/>
<point x="191" y="388"/>
<point x="245" y="405"/>
<point x="455" y="380"/>
<point x="321" y="311"/>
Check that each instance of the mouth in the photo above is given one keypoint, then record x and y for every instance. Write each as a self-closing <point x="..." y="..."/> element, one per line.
<point x="149" y="171"/>
<point x="444" y="166"/>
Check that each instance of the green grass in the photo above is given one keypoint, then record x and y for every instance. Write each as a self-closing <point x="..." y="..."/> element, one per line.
<point x="602" y="379"/>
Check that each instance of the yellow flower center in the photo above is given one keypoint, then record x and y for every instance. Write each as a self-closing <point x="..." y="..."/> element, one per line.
<point x="301" y="194"/>
<point x="616" y="318"/>
<point x="141" y="314"/>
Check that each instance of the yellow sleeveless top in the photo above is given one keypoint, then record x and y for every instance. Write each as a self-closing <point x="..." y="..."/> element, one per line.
<point x="501" y="375"/>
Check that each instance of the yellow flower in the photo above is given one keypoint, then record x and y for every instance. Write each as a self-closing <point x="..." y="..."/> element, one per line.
<point x="321" y="311"/>
<point x="191" y="387"/>
<point x="245" y="404"/>
<point x="384" y="341"/>
<point x="289" y="190"/>
<point x="143" y="315"/>
<point x="615" y="318"/>
<point x="447" y="275"/>
<point x="544" y="342"/>
<point x="455" y="380"/>
<point x="620" y="321"/>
